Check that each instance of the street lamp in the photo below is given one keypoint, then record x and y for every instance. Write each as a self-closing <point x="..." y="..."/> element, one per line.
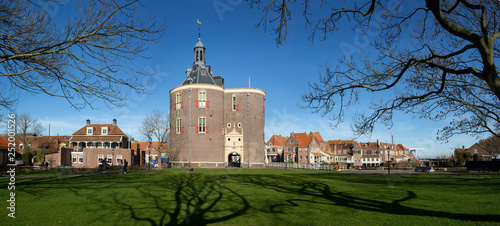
<point x="388" y="162"/>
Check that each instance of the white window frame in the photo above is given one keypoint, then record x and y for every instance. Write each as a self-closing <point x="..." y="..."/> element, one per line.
<point x="234" y="102"/>
<point x="118" y="157"/>
<point x="178" y="101"/>
<point x="100" y="157"/>
<point x="74" y="158"/>
<point x="110" y="159"/>
<point x="80" y="158"/>
<point x="178" y="125"/>
<point x="104" y="131"/>
<point x="202" y="99"/>
<point x="202" y="125"/>
<point x="90" y="131"/>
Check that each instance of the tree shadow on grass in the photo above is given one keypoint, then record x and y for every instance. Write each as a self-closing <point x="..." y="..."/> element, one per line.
<point x="183" y="199"/>
<point x="313" y="191"/>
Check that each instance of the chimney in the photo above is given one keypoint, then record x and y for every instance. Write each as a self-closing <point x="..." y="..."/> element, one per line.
<point x="88" y="122"/>
<point x="114" y="122"/>
<point x="463" y="147"/>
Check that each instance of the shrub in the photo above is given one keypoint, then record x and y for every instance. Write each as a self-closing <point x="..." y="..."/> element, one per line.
<point x="450" y="163"/>
<point x="40" y="155"/>
<point x="26" y="157"/>
<point x="476" y="157"/>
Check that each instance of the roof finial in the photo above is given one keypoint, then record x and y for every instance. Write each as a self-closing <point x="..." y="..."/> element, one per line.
<point x="199" y="28"/>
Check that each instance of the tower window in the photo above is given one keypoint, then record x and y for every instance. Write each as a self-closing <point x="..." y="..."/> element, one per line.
<point x="202" y="99"/>
<point x="202" y="128"/>
<point x="178" y="126"/>
<point x="235" y="106"/>
<point x="178" y="101"/>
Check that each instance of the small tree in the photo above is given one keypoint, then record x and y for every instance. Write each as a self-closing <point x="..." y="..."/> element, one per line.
<point x="27" y="126"/>
<point x="40" y="155"/>
<point x="26" y="157"/>
<point x="157" y="127"/>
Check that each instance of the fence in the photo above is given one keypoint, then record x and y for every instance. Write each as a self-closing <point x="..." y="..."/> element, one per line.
<point x="287" y="165"/>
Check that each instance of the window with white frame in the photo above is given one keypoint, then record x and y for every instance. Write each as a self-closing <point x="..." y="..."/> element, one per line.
<point x="202" y="125"/>
<point x="178" y="101"/>
<point x="100" y="158"/>
<point x="110" y="159"/>
<point x="104" y="131"/>
<point x="202" y="98"/>
<point x="118" y="159"/>
<point x="80" y="158"/>
<point x="178" y="126"/>
<point x="74" y="158"/>
<point x="89" y="130"/>
<point x="476" y="150"/>
<point x="235" y="106"/>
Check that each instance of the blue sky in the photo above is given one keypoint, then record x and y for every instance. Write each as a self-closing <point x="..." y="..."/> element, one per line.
<point x="237" y="49"/>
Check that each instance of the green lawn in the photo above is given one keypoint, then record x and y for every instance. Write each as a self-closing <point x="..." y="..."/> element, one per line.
<point x="255" y="197"/>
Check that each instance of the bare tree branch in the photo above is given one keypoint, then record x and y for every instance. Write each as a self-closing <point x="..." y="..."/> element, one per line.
<point x="432" y="59"/>
<point x="88" y="59"/>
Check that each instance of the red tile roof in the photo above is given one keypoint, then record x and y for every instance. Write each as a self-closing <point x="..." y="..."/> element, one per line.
<point x="304" y="139"/>
<point x="144" y="145"/>
<point x="318" y="137"/>
<point x="96" y="138"/>
<point x="277" y="140"/>
<point x="3" y="143"/>
<point x="113" y="129"/>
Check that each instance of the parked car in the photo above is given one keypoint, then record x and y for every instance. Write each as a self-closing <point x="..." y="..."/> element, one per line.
<point x="428" y="169"/>
<point x="19" y="162"/>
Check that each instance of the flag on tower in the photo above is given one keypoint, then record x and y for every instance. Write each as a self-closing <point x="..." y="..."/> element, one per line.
<point x="248" y="81"/>
<point x="198" y="21"/>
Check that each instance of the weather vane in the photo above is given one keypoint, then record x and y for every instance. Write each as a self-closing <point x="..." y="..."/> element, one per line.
<point x="199" y="27"/>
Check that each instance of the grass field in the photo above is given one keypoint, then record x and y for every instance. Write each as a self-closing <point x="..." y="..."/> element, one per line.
<point x="254" y="197"/>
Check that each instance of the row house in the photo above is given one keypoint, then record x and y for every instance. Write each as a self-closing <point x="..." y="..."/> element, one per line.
<point x="147" y="151"/>
<point x="48" y="143"/>
<point x="306" y="148"/>
<point x="274" y="148"/>
<point x="369" y="154"/>
<point x="343" y="150"/>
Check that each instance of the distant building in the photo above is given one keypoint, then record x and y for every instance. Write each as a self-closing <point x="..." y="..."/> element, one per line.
<point x="275" y="149"/>
<point x="215" y="126"/>
<point x="475" y="149"/>
<point x="92" y="144"/>
<point x="3" y="153"/>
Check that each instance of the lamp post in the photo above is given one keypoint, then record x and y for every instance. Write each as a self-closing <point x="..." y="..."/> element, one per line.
<point x="388" y="162"/>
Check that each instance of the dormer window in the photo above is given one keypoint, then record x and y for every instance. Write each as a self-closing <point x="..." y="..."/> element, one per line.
<point x="90" y="131"/>
<point x="104" y="131"/>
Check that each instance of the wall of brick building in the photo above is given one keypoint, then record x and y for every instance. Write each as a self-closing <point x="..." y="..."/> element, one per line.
<point x="90" y="156"/>
<point x="208" y="149"/>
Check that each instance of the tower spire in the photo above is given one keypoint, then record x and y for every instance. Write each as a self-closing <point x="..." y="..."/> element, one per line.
<point x="199" y="28"/>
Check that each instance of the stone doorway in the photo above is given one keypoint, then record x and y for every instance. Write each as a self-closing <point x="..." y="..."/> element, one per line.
<point x="234" y="160"/>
